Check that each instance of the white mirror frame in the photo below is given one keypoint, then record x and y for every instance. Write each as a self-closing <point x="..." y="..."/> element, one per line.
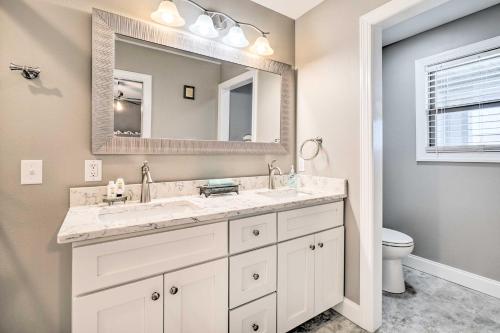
<point x="106" y="25"/>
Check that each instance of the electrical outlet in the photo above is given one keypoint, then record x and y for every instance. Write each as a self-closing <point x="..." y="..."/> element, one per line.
<point x="31" y="172"/>
<point x="93" y="170"/>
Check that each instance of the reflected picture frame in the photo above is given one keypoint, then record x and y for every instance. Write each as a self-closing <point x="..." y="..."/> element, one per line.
<point x="189" y="92"/>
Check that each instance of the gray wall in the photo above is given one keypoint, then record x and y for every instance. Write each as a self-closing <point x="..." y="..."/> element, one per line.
<point x="452" y="210"/>
<point x="327" y="58"/>
<point x="50" y="119"/>
<point x="172" y="115"/>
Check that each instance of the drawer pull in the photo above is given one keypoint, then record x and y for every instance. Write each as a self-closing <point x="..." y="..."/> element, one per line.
<point x="155" y="296"/>
<point x="255" y="327"/>
<point x="312" y="247"/>
<point x="320" y="244"/>
<point x="256" y="232"/>
<point x="255" y="276"/>
<point x="174" y="290"/>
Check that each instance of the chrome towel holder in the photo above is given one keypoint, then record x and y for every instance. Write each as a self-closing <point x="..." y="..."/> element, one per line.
<point x="27" y="72"/>
<point x="318" y="141"/>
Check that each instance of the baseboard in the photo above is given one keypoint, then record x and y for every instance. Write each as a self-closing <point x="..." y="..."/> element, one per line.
<point x="473" y="281"/>
<point x="350" y="310"/>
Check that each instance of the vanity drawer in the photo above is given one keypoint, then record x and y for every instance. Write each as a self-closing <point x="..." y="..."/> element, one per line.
<point x="106" y="264"/>
<point x="252" y="275"/>
<point x="303" y="221"/>
<point x="252" y="232"/>
<point x="258" y="316"/>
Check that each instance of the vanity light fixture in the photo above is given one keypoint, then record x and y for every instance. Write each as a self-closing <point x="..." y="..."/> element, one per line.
<point x="210" y="23"/>
<point x="204" y="26"/>
<point x="167" y="14"/>
<point x="262" y="47"/>
<point x="236" y="37"/>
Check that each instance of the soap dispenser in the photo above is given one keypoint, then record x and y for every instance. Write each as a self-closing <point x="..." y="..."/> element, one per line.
<point x="292" y="178"/>
<point x="111" y="190"/>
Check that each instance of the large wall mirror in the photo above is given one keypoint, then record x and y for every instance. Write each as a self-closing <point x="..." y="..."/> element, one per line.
<point x="158" y="90"/>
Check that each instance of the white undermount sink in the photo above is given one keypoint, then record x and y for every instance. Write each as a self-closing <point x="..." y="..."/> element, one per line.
<point x="149" y="211"/>
<point x="284" y="193"/>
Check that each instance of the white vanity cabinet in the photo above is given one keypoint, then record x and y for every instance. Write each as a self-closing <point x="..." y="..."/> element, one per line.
<point x="266" y="273"/>
<point x="131" y="308"/>
<point x="311" y="267"/>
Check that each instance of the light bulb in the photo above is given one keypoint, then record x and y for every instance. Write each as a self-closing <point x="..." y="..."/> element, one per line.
<point x="262" y="47"/>
<point x="204" y="26"/>
<point x="118" y="106"/>
<point x="168" y="14"/>
<point x="236" y="37"/>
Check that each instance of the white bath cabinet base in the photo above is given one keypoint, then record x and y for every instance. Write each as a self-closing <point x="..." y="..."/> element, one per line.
<point x="266" y="274"/>
<point x="310" y="277"/>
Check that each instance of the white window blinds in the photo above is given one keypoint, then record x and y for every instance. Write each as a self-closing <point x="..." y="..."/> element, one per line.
<point x="463" y="104"/>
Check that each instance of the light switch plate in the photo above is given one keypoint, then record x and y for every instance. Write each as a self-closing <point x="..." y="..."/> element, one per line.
<point x="31" y="172"/>
<point x="93" y="170"/>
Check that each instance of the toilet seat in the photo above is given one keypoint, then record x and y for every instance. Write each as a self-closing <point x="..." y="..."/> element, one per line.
<point x="395" y="238"/>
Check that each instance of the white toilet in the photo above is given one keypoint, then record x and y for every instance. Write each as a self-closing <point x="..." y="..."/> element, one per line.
<point x="395" y="246"/>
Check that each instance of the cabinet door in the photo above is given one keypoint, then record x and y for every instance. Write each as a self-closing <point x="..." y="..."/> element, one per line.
<point x="131" y="308"/>
<point x="196" y="299"/>
<point x="295" y="282"/>
<point x="329" y="269"/>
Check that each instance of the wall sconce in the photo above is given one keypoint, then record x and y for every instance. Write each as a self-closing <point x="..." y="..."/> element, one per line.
<point x="209" y="23"/>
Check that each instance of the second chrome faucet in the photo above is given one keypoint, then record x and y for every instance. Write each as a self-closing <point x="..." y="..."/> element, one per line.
<point x="272" y="170"/>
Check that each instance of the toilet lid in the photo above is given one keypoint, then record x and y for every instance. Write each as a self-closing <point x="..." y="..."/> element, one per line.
<point x="393" y="237"/>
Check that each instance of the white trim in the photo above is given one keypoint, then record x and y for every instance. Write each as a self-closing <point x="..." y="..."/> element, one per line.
<point x="422" y="131"/>
<point x="350" y="310"/>
<point x="470" y="280"/>
<point x="223" y="111"/>
<point x="147" y="91"/>
<point x="370" y="226"/>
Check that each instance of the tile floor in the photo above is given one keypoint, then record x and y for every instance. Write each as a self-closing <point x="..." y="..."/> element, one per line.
<point x="429" y="305"/>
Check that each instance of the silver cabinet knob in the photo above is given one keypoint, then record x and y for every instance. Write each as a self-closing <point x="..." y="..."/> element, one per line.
<point x="256" y="232"/>
<point x="320" y="244"/>
<point x="174" y="290"/>
<point x="255" y="276"/>
<point x="255" y="327"/>
<point x="312" y="247"/>
<point x="155" y="296"/>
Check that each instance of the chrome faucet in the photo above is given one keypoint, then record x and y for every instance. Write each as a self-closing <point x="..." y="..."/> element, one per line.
<point x="146" y="180"/>
<point x="272" y="170"/>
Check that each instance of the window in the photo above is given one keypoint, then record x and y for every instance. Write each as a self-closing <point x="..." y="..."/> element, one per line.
<point x="458" y="104"/>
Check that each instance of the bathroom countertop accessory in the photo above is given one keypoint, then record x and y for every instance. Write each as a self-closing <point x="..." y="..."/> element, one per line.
<point x="112" y="201"/>
<point x="208" y="190"/>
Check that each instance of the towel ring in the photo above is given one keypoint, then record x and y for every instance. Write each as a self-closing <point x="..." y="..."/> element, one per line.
<point x="317" y="141"/>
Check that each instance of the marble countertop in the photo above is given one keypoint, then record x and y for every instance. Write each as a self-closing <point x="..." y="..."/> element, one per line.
<point x="97" y="221"/>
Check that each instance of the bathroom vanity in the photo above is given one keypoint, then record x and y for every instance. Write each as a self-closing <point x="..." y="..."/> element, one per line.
<point x="261" y="261"/>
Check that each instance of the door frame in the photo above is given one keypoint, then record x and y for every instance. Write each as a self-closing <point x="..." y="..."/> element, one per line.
<point x="147" y="92"/>
<point x="223" y="110"/>
<point x="368" y="314"/>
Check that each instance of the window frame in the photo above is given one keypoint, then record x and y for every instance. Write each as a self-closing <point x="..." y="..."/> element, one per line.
<point x="422" y="130"/>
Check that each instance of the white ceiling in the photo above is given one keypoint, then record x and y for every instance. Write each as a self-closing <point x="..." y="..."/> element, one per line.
<point x="291" y="8"/>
